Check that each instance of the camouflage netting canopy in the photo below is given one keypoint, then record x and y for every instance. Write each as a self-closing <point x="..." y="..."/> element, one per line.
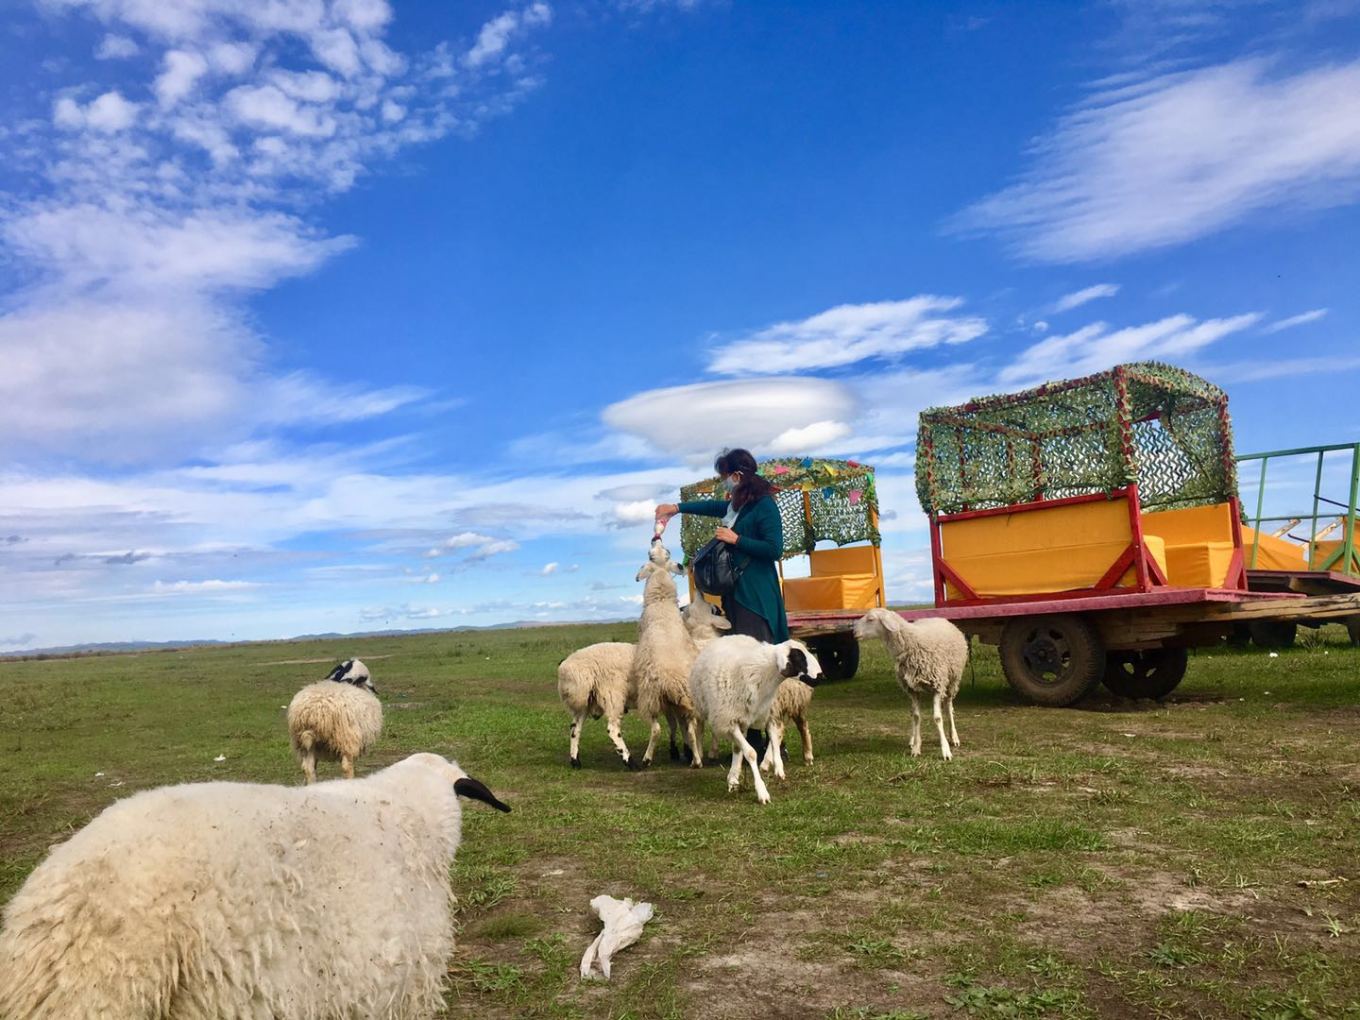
<point x="818" y="500"/>
<point x="1145" y="422"/>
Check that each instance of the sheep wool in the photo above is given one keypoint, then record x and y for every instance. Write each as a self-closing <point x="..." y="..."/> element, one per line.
<point x="238" y="901"/>
<point x="665" y="652"/>
<point x="929" y="656"/>
<point x="790" y="708"/>
<point x="336" y="721"/>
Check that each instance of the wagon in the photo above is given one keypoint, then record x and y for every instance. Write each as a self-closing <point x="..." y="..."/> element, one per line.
<point x="829" y="512"/>
<point x="1091" y="529"/>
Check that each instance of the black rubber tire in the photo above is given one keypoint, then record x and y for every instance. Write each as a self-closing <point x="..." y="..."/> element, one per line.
<point x="1353" y="629"/>
<point x="1273" y="633"/>
<point x="1052" y="660"/>
<point x="837" y="654"/>
<point x="1151" y="673"/>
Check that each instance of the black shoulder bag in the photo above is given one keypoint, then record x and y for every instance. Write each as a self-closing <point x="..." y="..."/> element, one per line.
<point x="716" y="570"/>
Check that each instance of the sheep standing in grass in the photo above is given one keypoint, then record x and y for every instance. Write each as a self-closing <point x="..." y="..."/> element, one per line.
<point x="790" y="708"/>
<point x="594" y="681"/>
<point x="243" y="901"/>
<point x="665" y="652"/>
<point x="734" y="683"/>
<point x="338" y="718"/>
<point x="929" y="656"/>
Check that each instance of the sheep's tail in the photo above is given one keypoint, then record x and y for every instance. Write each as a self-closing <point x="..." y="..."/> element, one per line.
<point x="306" y="740"/>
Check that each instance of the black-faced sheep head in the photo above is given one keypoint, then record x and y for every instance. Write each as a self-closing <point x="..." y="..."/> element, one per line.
<point x="353" y="672"/>
<point x="797" y="663"/>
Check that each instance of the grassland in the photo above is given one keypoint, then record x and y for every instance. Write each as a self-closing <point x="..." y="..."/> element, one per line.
<point x="1113" y="860"/>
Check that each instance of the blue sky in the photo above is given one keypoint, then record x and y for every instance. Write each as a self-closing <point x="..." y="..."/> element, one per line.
<point x="347" y="314"/>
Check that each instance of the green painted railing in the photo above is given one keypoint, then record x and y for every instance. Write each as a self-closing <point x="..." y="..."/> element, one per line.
<point x="1344" y="559"/>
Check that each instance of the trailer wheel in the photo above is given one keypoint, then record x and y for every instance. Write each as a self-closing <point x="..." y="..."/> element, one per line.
<point x="838" y="655"/>
<point x="1273" y="633"/>
<point x="1052" y="660"/>
<point x="1153" y="673"/>
<point x="1353" y="629"/>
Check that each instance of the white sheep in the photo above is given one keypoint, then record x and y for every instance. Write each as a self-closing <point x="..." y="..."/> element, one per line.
<point x="241" y="901"/>
<point x="929" y="655"/>
<point x="594" y="682"/>
<point x="790" y="708"/>
<point x="338" y="718"/>
<point x="665" y="652"/>
<point x="733" y="684"/>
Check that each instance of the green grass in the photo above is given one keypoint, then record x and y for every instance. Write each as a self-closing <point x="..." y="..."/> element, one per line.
<point x="1110" y="860"/>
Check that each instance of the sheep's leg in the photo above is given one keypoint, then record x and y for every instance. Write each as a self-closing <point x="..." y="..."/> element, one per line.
<point x="748" y="753"/>
<point x="806" y="734"/>
<point x="670" y="723"/>
<point x="616" y="738"/>
<point x="347" y="766"/>
<point x="734" y="773"/>
<point x="309" y="766"/>
<point x="712" y="743"/>
<point x="694" y="733"/>
<point x="938" y="712"/>
<point x="773" y="753"/>
<point x="915" y="726"/>
<point x="651" y="743"/>
<point x="577" y="721"/>
<point x="953" y="733"/>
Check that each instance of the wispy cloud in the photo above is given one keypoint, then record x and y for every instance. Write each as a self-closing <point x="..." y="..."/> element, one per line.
<point x="1303" y="318"/>
<point x="1081" y="297"/>
<point x="1096" y="347"/>
<point x="848" y="334"/>
<point x="1169" y="158"/>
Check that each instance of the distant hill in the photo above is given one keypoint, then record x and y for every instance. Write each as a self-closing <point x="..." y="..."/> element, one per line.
<point x="125" y="647"/>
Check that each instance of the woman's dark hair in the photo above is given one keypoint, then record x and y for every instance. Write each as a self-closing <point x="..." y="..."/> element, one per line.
<point x="752" y="487"/>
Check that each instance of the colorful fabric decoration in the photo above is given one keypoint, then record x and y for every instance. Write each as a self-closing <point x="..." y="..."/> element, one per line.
<point x="854" y="496"/>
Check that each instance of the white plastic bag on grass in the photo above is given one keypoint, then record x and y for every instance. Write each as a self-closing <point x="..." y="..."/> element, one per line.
<point x="623" y="920"/>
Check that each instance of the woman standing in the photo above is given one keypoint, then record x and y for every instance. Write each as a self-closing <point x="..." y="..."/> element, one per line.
<point x="751" y="525"/>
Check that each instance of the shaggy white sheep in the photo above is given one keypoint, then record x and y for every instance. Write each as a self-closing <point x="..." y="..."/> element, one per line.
<point x="239" y="901"/>
<point x="790" y="708"/>
<point x="929" y="656"/>
<point x="338" y="718"/>
<point x="665" y="652"/>
<point x="734" y="682"/>
<point x="594" y="681"/>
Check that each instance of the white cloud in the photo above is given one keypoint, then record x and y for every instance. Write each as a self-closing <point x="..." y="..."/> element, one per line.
<point x="116" y="47"/>
<point x="1303" y="318"/>
<point x="1181" y="155"/>
<point x="1095" y="348"/>
<point x="477" y="546"/>
<point x="199" y="587"/>
<point x="1080" y="297"/>
<point x="495" y="36"/>
<point x="698" y="420"/>
<point x="809" y="437"/>
<point x="108" y="114"/>
<point x="183" y="69"/>
<point x="847" y="334"/>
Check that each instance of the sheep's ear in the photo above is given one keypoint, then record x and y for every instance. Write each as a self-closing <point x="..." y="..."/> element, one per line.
<point x="643" y="571"/>
<point x="675" y="568"/>
<point x="795" y="664"/>
<point x="721" y="622"/>
<point x="475" y="789"/>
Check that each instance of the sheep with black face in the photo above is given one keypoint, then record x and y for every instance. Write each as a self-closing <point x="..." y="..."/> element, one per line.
<point x="338" y="718"/>
<point x="733" y="684"/>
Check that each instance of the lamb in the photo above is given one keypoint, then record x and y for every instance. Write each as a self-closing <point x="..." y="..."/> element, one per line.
<point x="240" y="900"/>
<point x="339" y="718"/>
<point x="791" y="703"/>
<point x="929" y="655"/>
<point x="733" y="684"/>
<point x="665" y="652"/>
<point x="594" y="681"/>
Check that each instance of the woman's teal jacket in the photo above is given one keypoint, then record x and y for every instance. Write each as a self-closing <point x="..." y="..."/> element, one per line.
<point x="760" y="538"/>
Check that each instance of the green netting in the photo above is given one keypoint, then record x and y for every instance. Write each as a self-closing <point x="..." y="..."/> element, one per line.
<point x="818" y="500"/>
<point x="1149" y="423"/>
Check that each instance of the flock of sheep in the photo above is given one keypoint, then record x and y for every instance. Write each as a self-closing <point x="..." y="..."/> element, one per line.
<point x="242" y="901"/>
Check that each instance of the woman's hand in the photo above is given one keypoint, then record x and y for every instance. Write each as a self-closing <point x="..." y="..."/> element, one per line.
<point x="726" y="535"/>
<point x="666" y="511"/>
